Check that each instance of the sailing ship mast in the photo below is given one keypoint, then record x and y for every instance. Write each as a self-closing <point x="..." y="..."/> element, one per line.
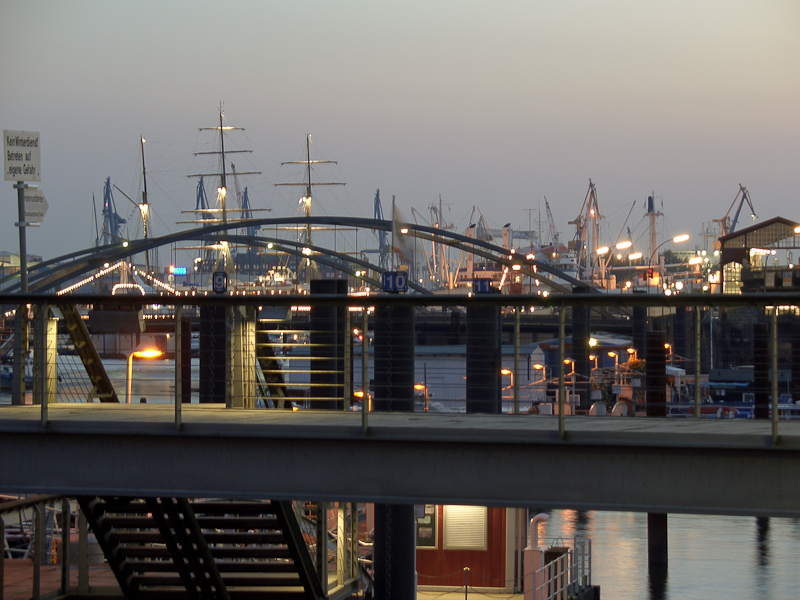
<point x="306" y="200"/>
<point x="222" y="190"/>
<point x="144" y="208"/>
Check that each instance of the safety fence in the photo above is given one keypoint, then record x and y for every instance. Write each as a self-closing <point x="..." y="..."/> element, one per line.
<point x="689" y="355"/>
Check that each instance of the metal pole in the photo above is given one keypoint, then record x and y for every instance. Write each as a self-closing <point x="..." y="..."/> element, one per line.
<point x="2" y="556"/>
<point x="40" y="345"/>
<point x="562" y="433"/>
<point x="66" y="522"/>
<point x="322" y="545"/>
<point x="83" y="554"/>
<point x="515" y="383"/>
<point x="365" y="372"/>
<point x="20" y="353"/>
<point x="23" y="245"/>
<point x="38" y="548"/>
<point x="697" y="361"/>
<point x="353" y="540"/>
<point x="348" y="365"/>
<point x="341" y="544"/>
<point x="773" y="360"/>
<point x="178" y="367"/>
<point x="425" y="383"/>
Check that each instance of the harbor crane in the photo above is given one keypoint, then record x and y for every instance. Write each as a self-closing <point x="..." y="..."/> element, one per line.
<point x="552" y="232"/>
<point x="111" y="218"/>
<point x="725" y="223"/>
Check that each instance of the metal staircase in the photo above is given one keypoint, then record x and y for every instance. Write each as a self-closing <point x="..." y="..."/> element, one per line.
<point x="176" y="549"/>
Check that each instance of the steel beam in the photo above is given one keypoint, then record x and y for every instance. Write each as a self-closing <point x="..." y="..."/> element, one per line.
<point x="650" y="465"/>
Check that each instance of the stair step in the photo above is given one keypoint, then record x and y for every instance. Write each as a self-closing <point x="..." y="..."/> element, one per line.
<point x="224" y="566"/>
<point x="244" y="538"/>
<point x="255" y="522"/>
<point x="230" y="552"/>
<point x="277" y="593"/>
<point x="231" y="581"/>
<point x="232" y="508"/>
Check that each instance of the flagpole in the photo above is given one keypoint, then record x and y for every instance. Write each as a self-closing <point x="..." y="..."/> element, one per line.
<point x="394" y="226"/>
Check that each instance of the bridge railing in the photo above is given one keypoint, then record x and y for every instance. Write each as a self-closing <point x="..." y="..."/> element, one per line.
<point x="689" y="355"/>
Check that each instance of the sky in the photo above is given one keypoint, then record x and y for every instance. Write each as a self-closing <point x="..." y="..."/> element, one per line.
<point x="492" y="105"/>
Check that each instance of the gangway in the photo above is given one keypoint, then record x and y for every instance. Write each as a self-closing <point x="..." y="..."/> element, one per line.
<point x="102" y="388"/>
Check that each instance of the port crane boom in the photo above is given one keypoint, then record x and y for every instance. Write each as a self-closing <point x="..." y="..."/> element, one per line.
<point x="726" y="225"/>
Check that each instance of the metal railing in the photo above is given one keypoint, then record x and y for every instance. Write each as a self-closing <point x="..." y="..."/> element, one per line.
<point x="566" y="575"/>
<point x="320" y="352"/>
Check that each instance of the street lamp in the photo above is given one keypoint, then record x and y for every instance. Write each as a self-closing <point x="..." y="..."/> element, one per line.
<point x="615" y="356"/>
<point x="149" y="353"/>
<point x="421" y="387"/>
<point x="568" y="361"/>
<point x="676" y="240"/>
<point x="511" y="387"/>
<point x="543" y="369"/>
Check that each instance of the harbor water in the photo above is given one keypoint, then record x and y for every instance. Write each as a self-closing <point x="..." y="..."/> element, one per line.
<point x="710" y="557"/>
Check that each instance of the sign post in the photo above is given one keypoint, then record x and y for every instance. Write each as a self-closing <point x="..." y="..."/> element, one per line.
<point x="22" y="161"/>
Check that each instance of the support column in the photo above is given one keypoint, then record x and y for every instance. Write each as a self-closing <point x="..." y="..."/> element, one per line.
<point x="212" y="344"/>
<point x="241" y="370"/>
<point x="395" y="553"/>
<point x="45" y="355"/>
<point x="656" y="375"/>
<point x="657" y="553"/>
<point x="761" y="370"/>
<point x="639" y="325"/>
<point x="581" y="328"/>
<point x="484" y="360"/>
<point x="394" y="550"/>
<point x="20" y="353"/>
<point x="394" y="359"/>
<point x="680" y="347"/>
<point x="327" y="337"/>
<point x="185" y="342"/>
<point x="795" y="358"/>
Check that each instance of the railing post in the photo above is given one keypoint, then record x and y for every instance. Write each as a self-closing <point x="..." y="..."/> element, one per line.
<point x="66" y="518"/>
<point x="2" y="556"/>
<point x="322" y="545"/>
<point x="365" y="401"/>
<point x="179" y="358"/>
<point x="562" y="433"/>
<point x="773" y="360"/>
<point x="348" y="364"/>
<point x="341" y="537"/>
<point x="40" y="395"/>
<point x="697" y="362"/>
<point x="38" y="548"/>
<point x="516" y="360"/>
<point x="83" y="554"/>
<point x="353" y="540"/>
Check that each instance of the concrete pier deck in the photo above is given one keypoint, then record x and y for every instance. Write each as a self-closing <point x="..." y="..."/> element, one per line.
<point x="720" y="466"/>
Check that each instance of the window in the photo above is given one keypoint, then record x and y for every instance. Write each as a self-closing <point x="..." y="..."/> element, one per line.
<point x="465" y="527"/>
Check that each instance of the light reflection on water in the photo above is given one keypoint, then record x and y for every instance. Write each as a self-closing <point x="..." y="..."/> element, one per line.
<point x="710" y="557"/>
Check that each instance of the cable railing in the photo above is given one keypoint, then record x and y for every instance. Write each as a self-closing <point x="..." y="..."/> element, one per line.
<point x="566" y="355"/>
